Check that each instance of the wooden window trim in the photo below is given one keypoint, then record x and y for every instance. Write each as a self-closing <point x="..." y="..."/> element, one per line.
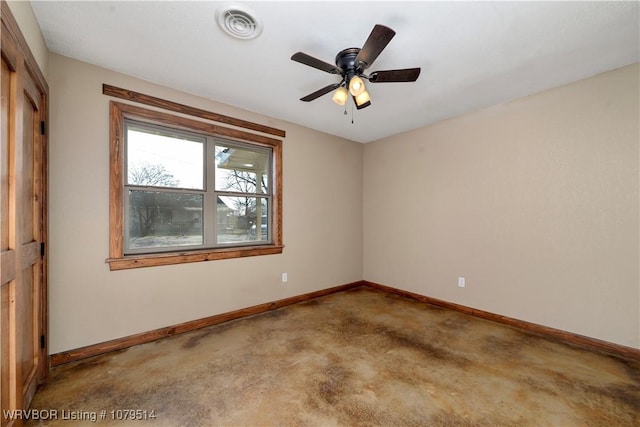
<point x="167" y="105"/>
<point x="117" y="260"/>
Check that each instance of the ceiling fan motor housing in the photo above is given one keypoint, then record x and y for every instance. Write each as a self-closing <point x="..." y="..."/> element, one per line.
<point x="346" y="62"/>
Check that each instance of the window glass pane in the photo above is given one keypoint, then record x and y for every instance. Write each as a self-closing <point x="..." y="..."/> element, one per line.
<point x="242" y="219"/>
<point x="164" y="219"/>
<point x="239" y="169"/>
<point x="164" y="160"/>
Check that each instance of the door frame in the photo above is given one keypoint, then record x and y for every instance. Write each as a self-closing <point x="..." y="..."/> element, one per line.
<point x="16" y="53"/>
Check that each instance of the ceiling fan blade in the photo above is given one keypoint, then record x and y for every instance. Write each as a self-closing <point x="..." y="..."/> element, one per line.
<point x="387" y="76"/>
<point x="305" y="59"/>
<point x="320" y="92"/>
<point x="378" y="39"/>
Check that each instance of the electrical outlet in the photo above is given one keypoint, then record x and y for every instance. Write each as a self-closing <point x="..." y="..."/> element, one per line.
<point x="284" y="278"/>
<point x="461" y="282"/>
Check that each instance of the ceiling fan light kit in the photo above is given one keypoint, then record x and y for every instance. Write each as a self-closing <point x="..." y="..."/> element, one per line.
<point x="351" y="64"/>
<point x="356" y="86"/>
<point x="363" y="100"/>
<point x="340" y="96"/>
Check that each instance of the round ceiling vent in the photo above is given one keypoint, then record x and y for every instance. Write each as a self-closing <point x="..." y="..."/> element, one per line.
<point x="239" y="21"/>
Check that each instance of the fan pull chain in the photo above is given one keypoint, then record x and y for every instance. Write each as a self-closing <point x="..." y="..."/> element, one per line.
<point x="351" y="113"/>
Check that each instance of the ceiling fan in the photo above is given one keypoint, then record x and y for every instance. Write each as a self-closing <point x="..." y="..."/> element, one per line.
<point x="351" y="64"/>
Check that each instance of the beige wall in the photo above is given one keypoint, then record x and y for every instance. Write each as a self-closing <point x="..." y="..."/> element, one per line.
<point x="30" y="29"/>
<point x="534" y="202"/>
<point x="90" y="304"/>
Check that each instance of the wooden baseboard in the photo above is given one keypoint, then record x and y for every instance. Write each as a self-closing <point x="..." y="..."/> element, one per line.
<point x="545" y="331"/>
<point x="145" y="337"/>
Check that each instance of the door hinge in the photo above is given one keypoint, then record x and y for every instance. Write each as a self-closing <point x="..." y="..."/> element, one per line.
<point x="42" y="128"/>
<point x="41" y="249"/>
<point x="43" y="341"/>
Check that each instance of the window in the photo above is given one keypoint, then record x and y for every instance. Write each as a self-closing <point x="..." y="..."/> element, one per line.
<point x="185" y="191"/>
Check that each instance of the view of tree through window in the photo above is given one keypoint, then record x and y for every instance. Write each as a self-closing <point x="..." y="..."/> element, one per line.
<point x="187" y="190"/>
<point x="145" y="173"/>
<point x="241" y="172"/>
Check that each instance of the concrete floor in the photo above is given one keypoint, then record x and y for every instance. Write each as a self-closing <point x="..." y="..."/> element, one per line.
<point x="361" y="357"/>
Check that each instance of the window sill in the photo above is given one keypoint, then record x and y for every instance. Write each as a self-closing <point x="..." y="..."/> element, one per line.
<point x="152" y="260"/>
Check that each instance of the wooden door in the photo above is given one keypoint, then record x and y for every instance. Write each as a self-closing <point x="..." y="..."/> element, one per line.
<point x="23" y="355"/>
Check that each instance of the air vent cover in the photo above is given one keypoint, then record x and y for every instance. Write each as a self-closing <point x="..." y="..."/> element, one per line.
<point x="238" y="21"/>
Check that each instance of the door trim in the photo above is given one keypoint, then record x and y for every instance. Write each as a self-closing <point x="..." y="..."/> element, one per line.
<point x="30" y="79"/>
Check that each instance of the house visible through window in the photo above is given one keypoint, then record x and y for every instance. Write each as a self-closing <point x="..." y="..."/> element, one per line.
<point x="193" y="191"/>
<point x="189" y="192"/>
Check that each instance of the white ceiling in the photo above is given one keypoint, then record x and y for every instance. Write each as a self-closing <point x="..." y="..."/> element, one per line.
<point x="472" y="54"/>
